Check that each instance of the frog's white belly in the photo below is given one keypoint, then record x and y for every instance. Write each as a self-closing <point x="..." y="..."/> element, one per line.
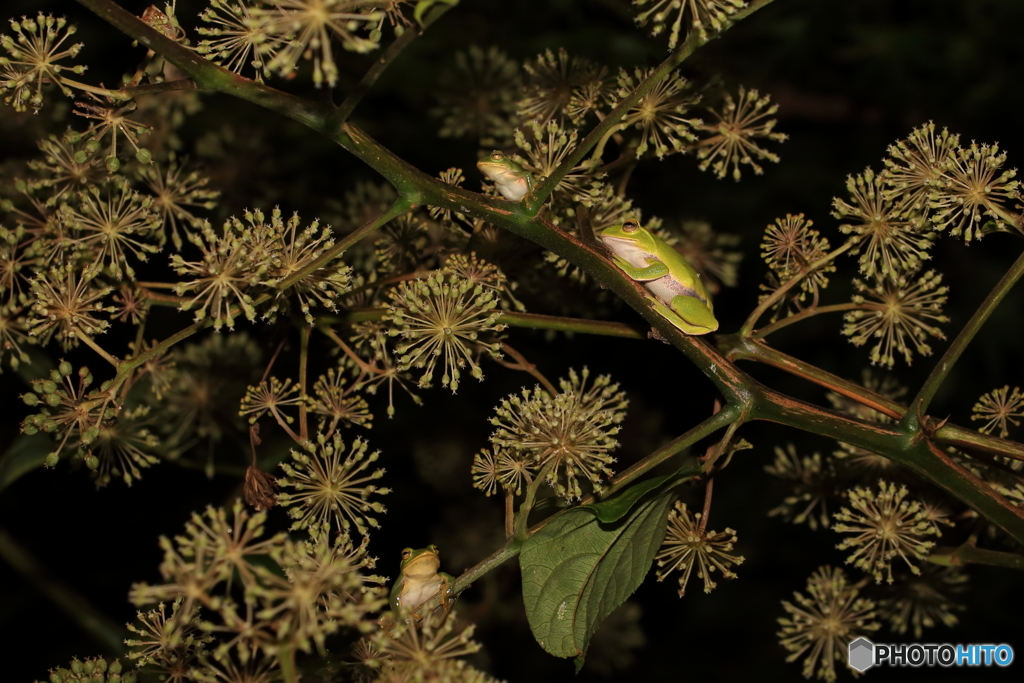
<point x="418" y="592"/>
<point x="665" y="288"/>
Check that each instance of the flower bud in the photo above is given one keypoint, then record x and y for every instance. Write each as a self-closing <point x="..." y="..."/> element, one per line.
<point x="90" y="434"/>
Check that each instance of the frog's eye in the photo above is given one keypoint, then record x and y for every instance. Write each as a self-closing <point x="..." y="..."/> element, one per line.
<point x="496" y="156"/>
<point x="630" y="226"/>
<point x="407" y="553"/>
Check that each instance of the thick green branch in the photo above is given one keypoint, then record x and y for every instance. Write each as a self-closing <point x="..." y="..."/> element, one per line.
<point x="736" y="347"/>
<point x="908" y="448"/>
<point x="206" y="74"/>
<point x="913" y="451"/>
<point x="969" y="553"/>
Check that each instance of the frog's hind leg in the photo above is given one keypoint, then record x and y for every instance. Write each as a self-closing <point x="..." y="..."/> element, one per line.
<point x="699" y="318"/>
<point x="695" y="313"/>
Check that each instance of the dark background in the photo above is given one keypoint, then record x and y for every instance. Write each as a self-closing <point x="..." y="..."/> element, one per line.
<point x="851" y="78"/>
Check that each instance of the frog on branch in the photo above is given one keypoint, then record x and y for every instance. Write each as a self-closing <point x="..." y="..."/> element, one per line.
<point x="511" y="180"/>
<point x="680" y="295"/>
<point x="420" y="589"/>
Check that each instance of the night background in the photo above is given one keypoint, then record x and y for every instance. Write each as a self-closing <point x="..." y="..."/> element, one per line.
<point x="850" y="79"/>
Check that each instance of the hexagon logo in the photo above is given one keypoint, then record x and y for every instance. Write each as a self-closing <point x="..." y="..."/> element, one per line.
<point x="862" y="654"/>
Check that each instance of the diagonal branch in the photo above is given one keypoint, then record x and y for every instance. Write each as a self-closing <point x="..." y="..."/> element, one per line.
<point x="919" y="406"/>
<point x="902" y="445"/>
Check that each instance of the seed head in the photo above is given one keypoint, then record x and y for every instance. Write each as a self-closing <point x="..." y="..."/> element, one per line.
<point x="476" y="98"/>
<point x="686" y="546"/>
<point x="445" y="316"/>
<point x="824" y="621"/>
<point x="999" y="407"/>
<point x="889" y="235"/>
<point x="703" y="15"/>
<point x="730" y="142"/>
<point x="661" y="114"/>
<point x="572" y="430"/>
<point x="897" y="315"/>
<point x="34" y="53"/>
<point x="326" y="485"/>
<point x="973" y="188"/>
<point x="551" y="82"/>
<point x="812" y="481"/>
<point x="237" y="39"/>
<point x="885" y="525"/>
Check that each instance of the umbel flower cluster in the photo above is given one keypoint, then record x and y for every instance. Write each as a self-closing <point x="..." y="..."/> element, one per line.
<point x="892" y="218"/>
<point x="562" y="436"/>
<point x="308" y="590"/>
<point x="167" y="306"/>
<point x="887" y="534"/>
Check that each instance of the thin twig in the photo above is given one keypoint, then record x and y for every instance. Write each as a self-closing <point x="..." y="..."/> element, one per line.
<point x="390" y="54"/>
<point x="924" y="397"/>
<point x="303" y="366"/>
<point x="363" y="365"/>
<point x="708" y="489"/>
<point x="526" y="366"/>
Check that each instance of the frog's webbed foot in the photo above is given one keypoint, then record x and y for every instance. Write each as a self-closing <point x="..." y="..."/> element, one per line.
<point x="387" y="621"/>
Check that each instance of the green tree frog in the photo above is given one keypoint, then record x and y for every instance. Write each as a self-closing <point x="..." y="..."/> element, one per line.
<point x="418" y="582"/>
<point x="681" y="297"/>
<point x="512" y="180"/>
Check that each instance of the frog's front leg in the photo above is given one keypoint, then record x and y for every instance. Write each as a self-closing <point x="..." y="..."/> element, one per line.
<point x="654" y="270"/>
<point x="446" y="596"/>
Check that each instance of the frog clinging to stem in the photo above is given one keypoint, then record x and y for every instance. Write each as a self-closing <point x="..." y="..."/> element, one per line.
<point x="680" y="296"/>
<point x="418" y="583"/>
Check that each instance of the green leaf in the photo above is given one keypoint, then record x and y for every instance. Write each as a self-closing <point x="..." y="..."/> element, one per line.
<point x="25" y="454"/>
<point x="613" y="509"/>
<point x="577" y="570"/>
